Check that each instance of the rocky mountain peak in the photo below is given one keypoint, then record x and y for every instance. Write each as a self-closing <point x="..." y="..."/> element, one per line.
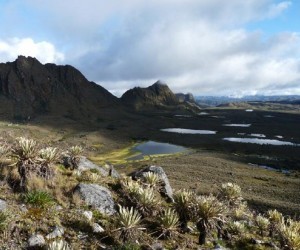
<point x="29" y="88"/>
<point x="155" y="95"/>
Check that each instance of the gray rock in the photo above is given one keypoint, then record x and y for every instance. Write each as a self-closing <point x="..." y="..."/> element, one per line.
<point x="97" y="228"/>
<point x="23" y="208"/>
<point x="166" y="187"/>
<point x="218" y="247"/>
<point x="113" y="172"/>
<point x="84" y="164"/>
<point x="3" y="205"/>
<point x="36" y="240"/>
<point x="157" y="246"/>
<point x="97" y="196"/>
<point x="57" y="232"/>
<point x="88" y="215"/>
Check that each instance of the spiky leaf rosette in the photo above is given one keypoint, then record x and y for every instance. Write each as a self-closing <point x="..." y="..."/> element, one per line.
<point x="151" y="179"/>
<point x="262" y="223"/>
<point x="231" y="192"/>
<point x="168" y="222"/>
<point x="146" y="201"/>
<point x="289" y="232"/>
<point x="183" y="204"/>
<point x="128" y="223"/>
<point x="48" y="155"/>
<point x="25" y="149"/>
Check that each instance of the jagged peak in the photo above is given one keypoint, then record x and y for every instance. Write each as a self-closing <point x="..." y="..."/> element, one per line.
<point x="160" y="83"/>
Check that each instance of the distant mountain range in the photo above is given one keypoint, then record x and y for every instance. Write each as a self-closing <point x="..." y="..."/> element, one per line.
<point x="29" y="88"/>
<point x="218" y="100"/>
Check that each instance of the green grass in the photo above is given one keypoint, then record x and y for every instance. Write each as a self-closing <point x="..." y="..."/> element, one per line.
<point x="38" y="198"/>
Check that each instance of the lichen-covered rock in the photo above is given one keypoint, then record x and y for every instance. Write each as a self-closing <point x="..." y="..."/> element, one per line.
<point x="97" y="228"/>
<point x="166" y="187"/>
<point x="113" y="172"/>
<point x="88" y="215"/>
<point x="96" y="196"/>
<point x="3" y="205"/>
<point x="36" y="240"/>
<point x="57" y="232"/>
<point x="84" y="164"/>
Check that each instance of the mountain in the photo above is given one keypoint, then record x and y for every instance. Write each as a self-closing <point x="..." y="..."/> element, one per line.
<point x="156" y="95"/>
<point x="185" y="97"/>
<point x="29" y="88"/>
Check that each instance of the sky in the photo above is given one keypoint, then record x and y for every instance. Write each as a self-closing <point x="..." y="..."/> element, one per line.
<point x="206" y="47"/>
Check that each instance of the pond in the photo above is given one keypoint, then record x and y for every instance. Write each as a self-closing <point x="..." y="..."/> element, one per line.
<point x="189" y="131"/>
<point x="155" y="148"/>
<point x="237" y="125"/>
<point x="261" y="141"/>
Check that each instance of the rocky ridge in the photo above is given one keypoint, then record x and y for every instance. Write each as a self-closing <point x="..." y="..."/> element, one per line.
<point x="156" y="95"/>
<point x="29" y="88"/>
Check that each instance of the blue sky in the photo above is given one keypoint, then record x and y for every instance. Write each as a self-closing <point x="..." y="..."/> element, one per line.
<point x="206" y="47"/>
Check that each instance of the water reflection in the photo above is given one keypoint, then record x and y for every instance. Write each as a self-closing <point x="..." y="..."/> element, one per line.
<point x="260" y="141"/>
<point x="189" y="131"/>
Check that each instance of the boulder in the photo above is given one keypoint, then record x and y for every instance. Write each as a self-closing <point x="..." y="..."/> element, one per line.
<point x="97" y="228"/>
<point x="57" y="232"/>
<point x="96" y="196"/>
<point x="3" y="205"/>
<point x="113" y="172"/>
<point x="166" y="187"/>
<point x="88" y="215"/>
<point x="84" y="164"/>
<point x="36" y="240"/>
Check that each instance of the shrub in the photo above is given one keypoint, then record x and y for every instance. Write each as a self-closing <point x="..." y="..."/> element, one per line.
<point x="183" y="204"/>
<point x="210" y="213"/>
<point x="262" y="224"/>
<point x="74" y="153"/>
<point x="231" y="192"/>
<point x="289" y="232"/>
<point x="236" y="227"/>
<point x="38" y="198"/>
<point x="128" y="223"/>
<point x="58" y="245"/>
<point x="275" y="219"/>
<point x="146" y="201"/>
<point x="130" y="186"/>
<point x="168" y="223"/>
<point x="25" y="153"/>
<point x="152" y="179"/>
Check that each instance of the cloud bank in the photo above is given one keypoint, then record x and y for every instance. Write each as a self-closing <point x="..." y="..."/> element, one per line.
<point x="203" y="47"/>
<point x="44" y="51"/>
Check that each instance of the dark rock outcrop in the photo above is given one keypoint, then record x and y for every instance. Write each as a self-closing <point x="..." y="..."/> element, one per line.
<point x="29" y="88"/>
<point x="157" y="95"/>
<point x="97" y="197"/>
<point x="185" y="97"/>
<point x="84" y="164"/>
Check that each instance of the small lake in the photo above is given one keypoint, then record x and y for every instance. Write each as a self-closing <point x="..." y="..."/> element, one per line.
<point x="155" y="148"/>
<point x="237" y="125"/>
<point x="189" y="131"/>
<point x="258" y="135"/>
<point x="261" y="141"/>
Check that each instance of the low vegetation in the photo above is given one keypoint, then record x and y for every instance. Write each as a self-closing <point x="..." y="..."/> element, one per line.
<point x="40" y="196"/>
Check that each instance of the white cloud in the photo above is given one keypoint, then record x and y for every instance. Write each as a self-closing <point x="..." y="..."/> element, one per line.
<point x="277" y="9"/>
<point x="197" y="46"/>
<point x="43" y="51"/>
